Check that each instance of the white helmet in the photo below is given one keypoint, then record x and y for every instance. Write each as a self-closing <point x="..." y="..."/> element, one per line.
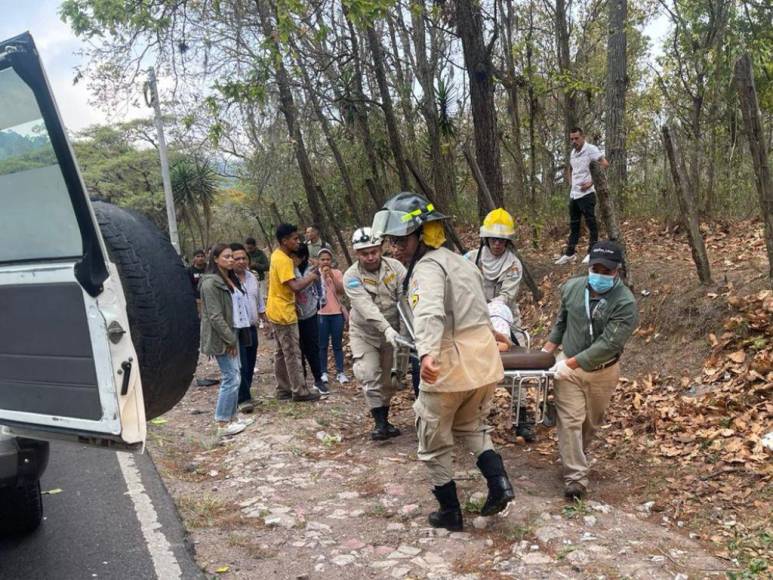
<point x="363" y="238"/>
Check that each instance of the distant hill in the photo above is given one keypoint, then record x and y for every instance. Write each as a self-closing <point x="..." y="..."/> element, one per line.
<point x="12" y="144"/>
<point x="21" y="152"/>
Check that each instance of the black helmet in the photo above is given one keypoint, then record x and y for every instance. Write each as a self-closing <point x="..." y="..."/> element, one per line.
<point x="403" y="214"/>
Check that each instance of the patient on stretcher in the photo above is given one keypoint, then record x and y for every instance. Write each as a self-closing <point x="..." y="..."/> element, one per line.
<point x="501" y="319"/>
<point x="513" y="356"/>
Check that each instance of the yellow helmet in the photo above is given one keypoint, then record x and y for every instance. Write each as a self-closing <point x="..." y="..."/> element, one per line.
<point x="498" y="224"/>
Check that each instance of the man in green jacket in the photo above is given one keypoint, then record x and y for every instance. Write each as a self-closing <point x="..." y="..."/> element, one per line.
<point x="598" y="314"/>
<point x="259" y="262"/>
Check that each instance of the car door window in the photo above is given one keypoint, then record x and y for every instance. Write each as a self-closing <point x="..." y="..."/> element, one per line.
<point x="33" y="191"/>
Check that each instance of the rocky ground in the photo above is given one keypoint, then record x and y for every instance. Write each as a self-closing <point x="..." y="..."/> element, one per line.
<point x="680" y="481"/>
<point x="303" y="492"/>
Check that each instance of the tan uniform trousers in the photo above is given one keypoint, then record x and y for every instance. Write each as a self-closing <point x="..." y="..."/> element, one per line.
<point x="441" y="417"/>
<point x="373" y="370"/>
<point x="581" y="401"/>
<point x="288" y="366"/>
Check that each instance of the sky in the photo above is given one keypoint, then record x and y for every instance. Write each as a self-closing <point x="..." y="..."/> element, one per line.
<point x="58" y="47"/>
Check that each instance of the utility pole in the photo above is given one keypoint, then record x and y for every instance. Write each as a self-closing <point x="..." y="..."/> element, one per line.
<point x="171" y="215"/>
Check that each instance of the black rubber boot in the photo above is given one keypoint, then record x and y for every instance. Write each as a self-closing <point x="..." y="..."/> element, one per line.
<point x="500" y="491"/>
<point x="392" y="431"/>
<point x="380" y="431"/>
<point x="525" y="427"/>
<point x="449" y="516"/>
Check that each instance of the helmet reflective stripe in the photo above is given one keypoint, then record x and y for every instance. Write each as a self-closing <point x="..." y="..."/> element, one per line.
<point x="393" y="223"/>
<point x="403" y="214"/>
<point x="417" y="212"/>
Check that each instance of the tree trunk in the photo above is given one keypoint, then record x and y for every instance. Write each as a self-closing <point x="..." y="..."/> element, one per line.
<point x="532" y="111"/>
<point x="334" y="223"/>
<point x="266" y="237"/>
<point x="404" y="87"/>
<point x="377" y="52"/>
<point x="491" y="206"/>
<point x="565" y="67"/>
<point x="477" y="58"/>
<point x="287" y="104"/>
<point x="606" y="202"/>
<point x="617" y="84"/>
<point x="687" y="207"/>
<point x="696" y="156"/>
<point x="361" y="119"/>
<point x="609" y="215"/>
<point x="440" y="165"/>
<point x="513" y="109"/>
<point x="277" y="216"/>
<point x="747" y="94"/>
<point x="302" y="219"/>
<point x="519" y="171"/>
<point x="351" y="195"/>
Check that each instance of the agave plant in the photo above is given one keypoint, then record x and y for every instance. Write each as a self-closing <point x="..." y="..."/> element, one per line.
<point x="194" y="185"/>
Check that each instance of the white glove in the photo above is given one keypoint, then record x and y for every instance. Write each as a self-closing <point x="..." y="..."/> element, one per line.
<point x="391" y="335"/>
<point x="561" y="370"/>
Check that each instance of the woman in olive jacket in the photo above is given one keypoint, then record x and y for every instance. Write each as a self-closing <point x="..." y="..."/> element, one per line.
<point x="222" y="306"/>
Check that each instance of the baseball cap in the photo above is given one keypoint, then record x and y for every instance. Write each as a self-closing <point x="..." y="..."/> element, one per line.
<point x="607" y="253"/>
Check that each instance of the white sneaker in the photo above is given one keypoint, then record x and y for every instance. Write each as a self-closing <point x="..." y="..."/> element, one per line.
<point x="324" y="377"/>
<point x="342" y="378"/>
<point x="245" y="422"/>
<point x="586" y="259"/>
<point x="233" y="428"/>
<point x="566" y="260"/>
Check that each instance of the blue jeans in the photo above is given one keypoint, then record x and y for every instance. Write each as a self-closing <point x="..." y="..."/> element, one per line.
<point x="228" y="395"/>
<point x="331" y="326"/>
<point x="247" y="357"/>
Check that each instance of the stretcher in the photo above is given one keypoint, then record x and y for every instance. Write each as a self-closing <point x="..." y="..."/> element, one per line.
<point x="524" y="368"/>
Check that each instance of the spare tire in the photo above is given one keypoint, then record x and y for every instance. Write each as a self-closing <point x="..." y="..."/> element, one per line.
<point x="160" y="304"/>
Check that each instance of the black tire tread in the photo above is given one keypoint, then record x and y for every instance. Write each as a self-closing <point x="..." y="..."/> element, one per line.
<point x="21" y="509"/>
<point x="160" y="302"/>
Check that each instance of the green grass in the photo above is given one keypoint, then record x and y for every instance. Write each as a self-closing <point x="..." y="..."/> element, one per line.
<point x="201" y="512"/>
<point x="576" y="509"/>
<point x="473" y="507"/>
<point x="753" y="549"/>
<point x="378" y="511"/>
<point x="564" y="552"/>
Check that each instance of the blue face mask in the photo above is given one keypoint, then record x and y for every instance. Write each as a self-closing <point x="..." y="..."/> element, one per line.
<point x="600" y="282"/>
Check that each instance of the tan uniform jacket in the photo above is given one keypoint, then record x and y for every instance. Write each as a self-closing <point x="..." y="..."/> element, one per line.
<point x="505" y="287"/>
<point x="451" y="322"/>
<point x="373" y="297"/>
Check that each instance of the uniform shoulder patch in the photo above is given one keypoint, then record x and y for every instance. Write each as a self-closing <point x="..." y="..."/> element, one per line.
<point x="353" y="283"/>
<point x="414" y="293"/>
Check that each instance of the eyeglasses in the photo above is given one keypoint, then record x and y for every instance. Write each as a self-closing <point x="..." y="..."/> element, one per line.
<point x="400" y="241"/>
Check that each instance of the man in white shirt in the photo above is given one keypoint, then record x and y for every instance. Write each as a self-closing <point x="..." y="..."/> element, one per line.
<point x="582" y="202"/>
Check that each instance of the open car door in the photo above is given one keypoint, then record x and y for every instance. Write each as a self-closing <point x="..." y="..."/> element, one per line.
<point x="68" y="368"/>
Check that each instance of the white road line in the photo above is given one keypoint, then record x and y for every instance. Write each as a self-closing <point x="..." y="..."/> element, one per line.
<point x="164" y="562"/>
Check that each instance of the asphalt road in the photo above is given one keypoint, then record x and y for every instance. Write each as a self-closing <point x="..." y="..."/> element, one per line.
<point x="100" y="526"/>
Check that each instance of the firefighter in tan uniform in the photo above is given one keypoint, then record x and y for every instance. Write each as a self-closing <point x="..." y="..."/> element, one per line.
<point x="373" y="285"/>
<point x="502" y="273"/>
<point x="460" y="363"/>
